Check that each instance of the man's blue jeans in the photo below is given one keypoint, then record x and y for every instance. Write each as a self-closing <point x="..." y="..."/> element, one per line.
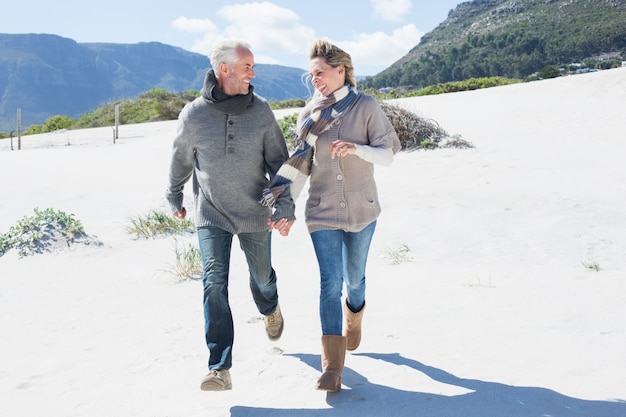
<point x="215" y="248"/>
<point x="342" y="257"/>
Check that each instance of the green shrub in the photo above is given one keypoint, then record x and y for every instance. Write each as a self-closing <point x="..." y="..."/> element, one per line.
<point x="44" y="231"/>
<point x="34" y="130"/>
<point x="465" y="85"/>
<point x="188" y="262"/>
<point x="288" y="126"/>
<point x="53" y="124"/>
<point x="287" y="104"/>
<point x="154" y="105"/>
<point x="158" y="223"/>
<point x="57" y="122"/>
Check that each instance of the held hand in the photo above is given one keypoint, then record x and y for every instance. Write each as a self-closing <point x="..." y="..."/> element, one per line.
<point x="180" y="214"/>
<point x="283" y="226"/>
<point x="340" y="148"/>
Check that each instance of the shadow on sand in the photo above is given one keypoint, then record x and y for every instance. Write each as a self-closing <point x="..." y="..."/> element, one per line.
<point x="486" y="399"/>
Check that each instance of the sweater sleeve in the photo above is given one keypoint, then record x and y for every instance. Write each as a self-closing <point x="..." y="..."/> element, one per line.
<point x="381" y="132"/>
<point x="181" y="165"/>
<point x="379" y="156"/>
<point x="383" y="141"/>
<point x="276" y="154"/>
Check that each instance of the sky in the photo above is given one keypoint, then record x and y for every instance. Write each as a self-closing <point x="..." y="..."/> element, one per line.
<point x="376" y="33"/>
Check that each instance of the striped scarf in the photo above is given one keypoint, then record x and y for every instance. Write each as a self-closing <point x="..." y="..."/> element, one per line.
<point x="324" y="110"/>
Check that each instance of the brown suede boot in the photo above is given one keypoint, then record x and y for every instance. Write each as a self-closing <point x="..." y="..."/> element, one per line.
<point x="353" y="327"/>
<point x="333" y="357"/>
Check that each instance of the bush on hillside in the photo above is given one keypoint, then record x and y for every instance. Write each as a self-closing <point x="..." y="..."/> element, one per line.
<point x="53" y="124"/>
<point x="287" y="104"/>
<point x="152" y="106"/>
<point x="465" y="85"/>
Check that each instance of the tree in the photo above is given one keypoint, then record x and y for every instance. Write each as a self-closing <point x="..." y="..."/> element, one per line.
<point x="548" y="71"/>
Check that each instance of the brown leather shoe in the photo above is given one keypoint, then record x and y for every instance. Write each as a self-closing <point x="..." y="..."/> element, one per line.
<point x="274" y="324"/>
<point x="217" y="380"/>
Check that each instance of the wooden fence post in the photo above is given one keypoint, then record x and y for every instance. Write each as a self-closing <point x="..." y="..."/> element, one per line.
<point x="117" y="122"/>
<point x="19" y="129"/>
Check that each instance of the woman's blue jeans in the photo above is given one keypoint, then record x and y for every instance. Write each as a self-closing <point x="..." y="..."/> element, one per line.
<point x="215" y="248"/>
<point x="342" y="257"/>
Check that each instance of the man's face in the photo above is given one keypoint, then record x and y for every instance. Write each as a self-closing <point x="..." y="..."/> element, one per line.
<point x="236" y="80"/>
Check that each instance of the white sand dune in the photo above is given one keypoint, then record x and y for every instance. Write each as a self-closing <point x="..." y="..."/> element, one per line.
<point x="493" y="312"/>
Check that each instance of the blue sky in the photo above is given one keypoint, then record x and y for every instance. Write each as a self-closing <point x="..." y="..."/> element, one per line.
<point x="375" y="32"/>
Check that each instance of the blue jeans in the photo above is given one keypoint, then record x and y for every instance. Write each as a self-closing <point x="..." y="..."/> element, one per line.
<point x="341" y="257"/>
<point x="215" y="248"/>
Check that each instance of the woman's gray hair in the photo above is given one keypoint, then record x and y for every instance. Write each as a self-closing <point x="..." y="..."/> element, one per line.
<point x="225" y="52"/>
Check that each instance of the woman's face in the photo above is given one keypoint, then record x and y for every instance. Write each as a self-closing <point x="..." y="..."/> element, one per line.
<point x="325" y="78"/>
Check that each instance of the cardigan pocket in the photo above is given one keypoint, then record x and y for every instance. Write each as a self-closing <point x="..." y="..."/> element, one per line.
<point x="364" y="207"/>
<point x="364" y="199"/>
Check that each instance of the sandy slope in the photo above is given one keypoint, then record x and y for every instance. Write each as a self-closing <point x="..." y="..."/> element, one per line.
<point x="493" y="313"/>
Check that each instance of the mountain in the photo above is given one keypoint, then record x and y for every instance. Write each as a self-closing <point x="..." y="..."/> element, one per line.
<point x="510" y="38"/>
<point x="46" y="75"/>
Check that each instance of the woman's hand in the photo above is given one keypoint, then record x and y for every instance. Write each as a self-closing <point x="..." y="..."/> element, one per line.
<point x="340" y="148"/>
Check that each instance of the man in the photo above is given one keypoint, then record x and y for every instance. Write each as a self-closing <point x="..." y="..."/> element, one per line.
<point x="229" y="142"/>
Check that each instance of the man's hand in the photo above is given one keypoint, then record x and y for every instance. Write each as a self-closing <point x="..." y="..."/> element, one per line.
<point x="180" y="214"/>
<point x="283" y="226"/>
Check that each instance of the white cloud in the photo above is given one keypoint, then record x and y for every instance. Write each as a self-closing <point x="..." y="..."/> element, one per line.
<point x="391" y="10"/>
<point x="373" y="52"/>
<point x="194" y="25"/>
<point x="278" y="36"/>
<point x="274" y="33"/>
<point x="267" y="26"/>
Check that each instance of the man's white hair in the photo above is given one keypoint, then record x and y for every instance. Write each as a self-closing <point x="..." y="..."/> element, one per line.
<point x="225" y="52"/>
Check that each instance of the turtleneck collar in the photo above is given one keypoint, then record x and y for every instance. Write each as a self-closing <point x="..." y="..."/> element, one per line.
<point x="222" y="101"/>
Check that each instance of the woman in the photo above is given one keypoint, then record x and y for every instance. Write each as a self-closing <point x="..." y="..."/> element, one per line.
<point x="341" y="133"/>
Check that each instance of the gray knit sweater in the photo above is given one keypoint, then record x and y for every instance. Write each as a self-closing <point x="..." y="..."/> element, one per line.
<point x="342" y="191"/>
<point x="231" y="157"/>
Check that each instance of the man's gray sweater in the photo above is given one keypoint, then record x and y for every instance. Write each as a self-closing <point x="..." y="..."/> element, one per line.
<point x="231" y="157"/>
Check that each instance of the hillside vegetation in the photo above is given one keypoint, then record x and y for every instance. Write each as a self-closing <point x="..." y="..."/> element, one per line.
<point x="160" y="105"/>
<point x="155" y="105"/>
<point x="513" y="39"/>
